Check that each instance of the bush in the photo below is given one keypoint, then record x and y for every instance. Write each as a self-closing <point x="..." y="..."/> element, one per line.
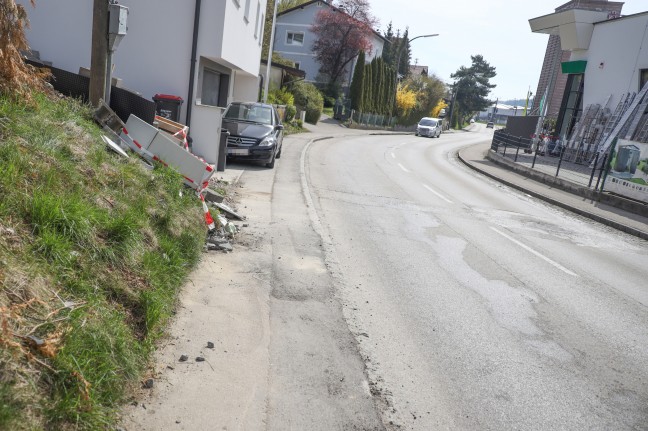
<point x="329" y="102"/>
<point x="308" y="98"/>
<point x="281" y="97"/>
<point x="291" y="111"/>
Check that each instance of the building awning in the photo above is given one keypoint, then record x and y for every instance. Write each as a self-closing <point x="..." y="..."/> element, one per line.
<point x="574" y="27"/>
<point x="573" y="67"/>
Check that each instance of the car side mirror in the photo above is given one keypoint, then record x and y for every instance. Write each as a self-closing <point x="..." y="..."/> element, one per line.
<point x="279" y="127"/>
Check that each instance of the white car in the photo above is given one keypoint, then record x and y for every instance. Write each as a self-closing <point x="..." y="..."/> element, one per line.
<point x="430" y="127"/>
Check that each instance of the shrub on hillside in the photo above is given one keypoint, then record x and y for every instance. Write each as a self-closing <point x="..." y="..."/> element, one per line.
<point x="309" y="99"/>
<point x="283" y="97"/>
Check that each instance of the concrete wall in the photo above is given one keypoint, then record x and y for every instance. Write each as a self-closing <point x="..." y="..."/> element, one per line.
<point x="622" y="46"/>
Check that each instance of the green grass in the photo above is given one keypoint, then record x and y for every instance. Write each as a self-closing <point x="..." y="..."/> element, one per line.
<point x="93" y="252"/>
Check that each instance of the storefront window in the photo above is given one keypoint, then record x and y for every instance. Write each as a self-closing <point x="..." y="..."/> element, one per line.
<point x="571" y="107"/>
<point x="643" y="78"/>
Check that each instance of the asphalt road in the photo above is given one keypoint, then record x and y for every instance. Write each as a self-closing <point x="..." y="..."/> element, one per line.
<point x="380" y="283"/>
<point x="473" y="305"/>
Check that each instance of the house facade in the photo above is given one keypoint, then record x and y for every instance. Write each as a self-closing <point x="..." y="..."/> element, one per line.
<point x="294" y="39"/>
<point x="155" y="56"/>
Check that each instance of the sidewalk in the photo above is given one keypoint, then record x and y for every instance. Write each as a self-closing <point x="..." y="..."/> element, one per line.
<point x="540" y="183"/>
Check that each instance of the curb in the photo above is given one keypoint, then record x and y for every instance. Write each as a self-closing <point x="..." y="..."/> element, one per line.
<point x="569" y="186"/>
<point x="611" y="223"/>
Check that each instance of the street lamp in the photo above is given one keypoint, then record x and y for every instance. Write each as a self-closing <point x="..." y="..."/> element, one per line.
<point x="400" y="52"/>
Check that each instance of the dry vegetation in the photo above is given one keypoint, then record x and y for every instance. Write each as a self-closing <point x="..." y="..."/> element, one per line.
<point x="17" y="79"/>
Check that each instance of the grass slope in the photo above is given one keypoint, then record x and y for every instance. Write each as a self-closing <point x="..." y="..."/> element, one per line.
<point x="93" y="251"/>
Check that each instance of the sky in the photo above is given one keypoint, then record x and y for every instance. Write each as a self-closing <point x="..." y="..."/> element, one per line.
<point x="497" y="29"/>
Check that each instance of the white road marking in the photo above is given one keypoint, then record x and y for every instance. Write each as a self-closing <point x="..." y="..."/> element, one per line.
<point x="541" y="256"/>
<point x="437" y="193"/>
<point x="403" y="168"/>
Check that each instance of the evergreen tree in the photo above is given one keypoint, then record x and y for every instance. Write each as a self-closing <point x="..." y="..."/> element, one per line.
<point x="368" y="93"/>
<point x="267" y="28"/>
<point x="380" y="98"/>
<point x="405" y="55"/>
<point x="374" y="85"/>
<point x="356" y="92"/>
<point x="472" y="87"/>
<point x="388" y="49"/>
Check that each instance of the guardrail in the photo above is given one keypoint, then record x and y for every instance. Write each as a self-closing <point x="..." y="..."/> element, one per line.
<point x="503" y="139"/>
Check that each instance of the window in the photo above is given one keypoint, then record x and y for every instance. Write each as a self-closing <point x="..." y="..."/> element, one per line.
<point x="643" y="78"/>
<point x="572" y="105"/>
<point x="214" y="87"/>
<point x="293" y="38"/>
<point x="246" y="16"/>
<point x="256" y="24"/>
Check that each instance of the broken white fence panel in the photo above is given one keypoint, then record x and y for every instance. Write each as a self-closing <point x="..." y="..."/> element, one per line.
<point x="153" y="144"/>
<point x="195" y="171"/>
<point x="113" y="146"/>
<point x="141" y="131"/>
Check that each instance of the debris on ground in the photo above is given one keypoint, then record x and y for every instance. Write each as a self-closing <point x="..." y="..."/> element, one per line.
<point x="230" y="212"/>
<point x="212" y="195"/>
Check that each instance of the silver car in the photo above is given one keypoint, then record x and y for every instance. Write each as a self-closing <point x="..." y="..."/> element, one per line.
<point x="430" y="127"/>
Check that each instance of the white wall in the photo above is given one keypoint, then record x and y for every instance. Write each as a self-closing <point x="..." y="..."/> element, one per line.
<point x="622" y="46"/>
<point x="239" y="45"/>
<point x="155" y="55"/>
<point x="61" y="37"/>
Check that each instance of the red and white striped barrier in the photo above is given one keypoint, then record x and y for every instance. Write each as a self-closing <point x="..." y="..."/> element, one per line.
<point x="208" y="218"/>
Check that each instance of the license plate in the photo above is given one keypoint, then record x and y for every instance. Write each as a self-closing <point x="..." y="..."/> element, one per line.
<point x="238" y="151"/>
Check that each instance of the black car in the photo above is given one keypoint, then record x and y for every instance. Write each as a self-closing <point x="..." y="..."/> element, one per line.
<point x="256" y="132"/>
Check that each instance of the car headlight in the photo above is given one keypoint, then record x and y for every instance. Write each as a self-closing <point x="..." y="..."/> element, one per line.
<point x="268" y="142"/>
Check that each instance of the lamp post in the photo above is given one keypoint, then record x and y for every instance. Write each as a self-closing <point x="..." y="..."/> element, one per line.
<point x="400" y="52"/>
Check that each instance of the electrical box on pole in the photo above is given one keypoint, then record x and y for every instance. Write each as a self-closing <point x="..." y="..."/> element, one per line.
<point x="117" y="28"/>
<point x="117" y="25"/>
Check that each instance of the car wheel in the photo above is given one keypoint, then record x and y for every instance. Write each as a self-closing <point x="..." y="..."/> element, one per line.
<point x="415" y="133"/>
<point x="271" y="163"/>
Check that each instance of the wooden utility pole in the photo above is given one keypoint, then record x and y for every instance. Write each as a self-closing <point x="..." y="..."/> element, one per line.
<point x="99" y="55"/>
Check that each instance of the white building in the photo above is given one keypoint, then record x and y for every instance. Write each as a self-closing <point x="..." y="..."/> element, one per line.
<point x="609" y="58"/>
<point x="502" y="112"/>
<point x="156" y="54"/>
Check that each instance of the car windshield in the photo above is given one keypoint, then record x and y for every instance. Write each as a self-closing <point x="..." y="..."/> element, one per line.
<point x="426" y="122"/>
<point x="253" y="113"/>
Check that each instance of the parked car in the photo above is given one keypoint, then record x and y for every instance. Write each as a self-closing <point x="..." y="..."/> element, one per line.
<point x="428" y="126"/>
<point x="256" y="132"/>
<point x="490" y="124"/>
